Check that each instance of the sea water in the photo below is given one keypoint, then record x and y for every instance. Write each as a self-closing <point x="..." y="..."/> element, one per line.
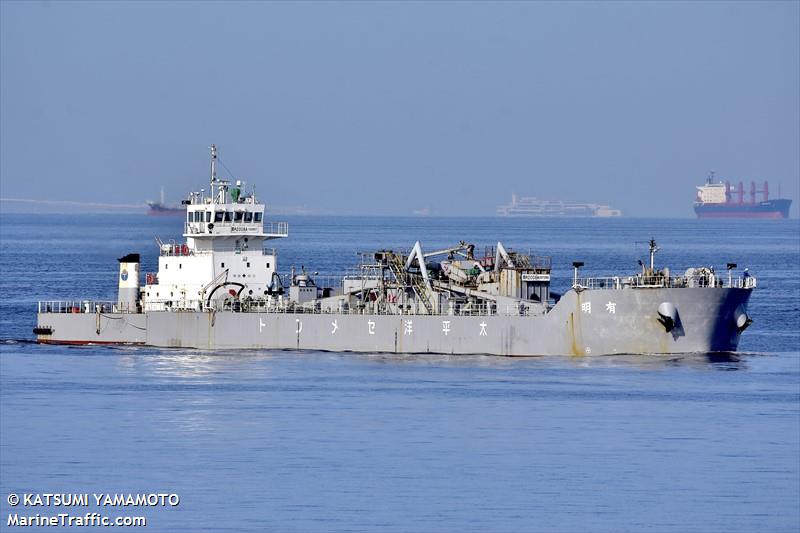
<point x="320" y="441"/>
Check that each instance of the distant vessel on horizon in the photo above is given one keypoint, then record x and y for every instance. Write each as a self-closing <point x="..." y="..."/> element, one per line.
<point x="530" y="206"/>
<point x="161" y="208"/>
<point x="715" y="200"/>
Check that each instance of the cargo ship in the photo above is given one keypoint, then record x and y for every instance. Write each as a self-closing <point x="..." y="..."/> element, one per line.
<point x="220" y="288"/>
<point x="723" y="200"/>
<point x="161" y="208"/>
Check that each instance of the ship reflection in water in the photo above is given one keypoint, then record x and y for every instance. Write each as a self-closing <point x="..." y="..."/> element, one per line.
<point x="201" y="366"/>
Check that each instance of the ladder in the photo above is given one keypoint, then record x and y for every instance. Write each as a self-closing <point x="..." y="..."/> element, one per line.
<point x="405" y="279"/>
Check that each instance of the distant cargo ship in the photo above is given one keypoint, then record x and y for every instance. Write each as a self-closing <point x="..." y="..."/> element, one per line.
<point x="529" y="206"/>
<point x="716" y="200"/>
<point x="161" y="208"/>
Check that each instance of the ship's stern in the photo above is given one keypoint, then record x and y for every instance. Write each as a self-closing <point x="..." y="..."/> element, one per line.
<point x="88" y="323"/>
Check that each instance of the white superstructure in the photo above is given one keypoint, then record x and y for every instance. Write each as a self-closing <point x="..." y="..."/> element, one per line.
<point x="530" y="206"/>
<point x="223" y="255"/>
<point x="712" y="193"/>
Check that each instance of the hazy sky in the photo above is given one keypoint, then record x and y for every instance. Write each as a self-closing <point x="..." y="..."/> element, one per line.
<point x="387" y="107"/>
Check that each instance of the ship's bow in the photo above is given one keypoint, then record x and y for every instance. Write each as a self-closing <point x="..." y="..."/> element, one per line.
<point x="657" y="320"/>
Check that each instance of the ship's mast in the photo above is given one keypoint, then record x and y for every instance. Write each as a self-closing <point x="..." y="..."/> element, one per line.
<point x="653" y="250"/>
<point x="213" y="166"/>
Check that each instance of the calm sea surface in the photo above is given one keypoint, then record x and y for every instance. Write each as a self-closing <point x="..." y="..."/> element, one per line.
<point x="313" y="441"/>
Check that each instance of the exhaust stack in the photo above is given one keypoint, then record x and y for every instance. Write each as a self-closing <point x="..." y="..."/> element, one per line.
<point x="128" y="295"/>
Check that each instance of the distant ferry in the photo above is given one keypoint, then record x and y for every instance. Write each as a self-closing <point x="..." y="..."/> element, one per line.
<point x="161" y="208"/>
<point x="529" y="206"/>
<point x="716" y="200"/>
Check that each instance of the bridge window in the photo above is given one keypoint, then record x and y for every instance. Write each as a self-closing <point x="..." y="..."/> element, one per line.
<point x="248" y="216"/>
<point x="238" y="216"/>
<point x="228" y="216"/>
<point x="208" y="216"/>
<point x="257" y="217"/>
<point x="218" y="216"/>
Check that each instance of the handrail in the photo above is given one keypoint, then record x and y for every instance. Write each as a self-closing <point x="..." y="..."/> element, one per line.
<point x="86" y="306"/>
<point x="659" y="282"/>
<point x="173" y="252"/>
<point x="281" y="305"/>
<point x="279" y="229"/>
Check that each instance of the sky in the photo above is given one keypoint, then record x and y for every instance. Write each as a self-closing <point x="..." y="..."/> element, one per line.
<point x="385" y="108"/>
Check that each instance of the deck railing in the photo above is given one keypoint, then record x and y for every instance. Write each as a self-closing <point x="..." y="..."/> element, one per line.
<point x="86" y="306"/>
<point x="272" y="229"/>
<point x="178" y="250"/>
<point x="281" y="304"/>
<point x="659" y="282"/>
<point x="284" y="306"/>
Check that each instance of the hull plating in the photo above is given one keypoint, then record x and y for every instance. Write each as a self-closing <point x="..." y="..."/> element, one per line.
<point x="770" y="209"/>
<point x="591" y="322"/>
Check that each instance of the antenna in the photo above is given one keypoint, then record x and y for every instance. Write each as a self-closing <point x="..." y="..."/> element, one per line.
<point x="653" y="250"/>
<point x="213" y="165"/>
